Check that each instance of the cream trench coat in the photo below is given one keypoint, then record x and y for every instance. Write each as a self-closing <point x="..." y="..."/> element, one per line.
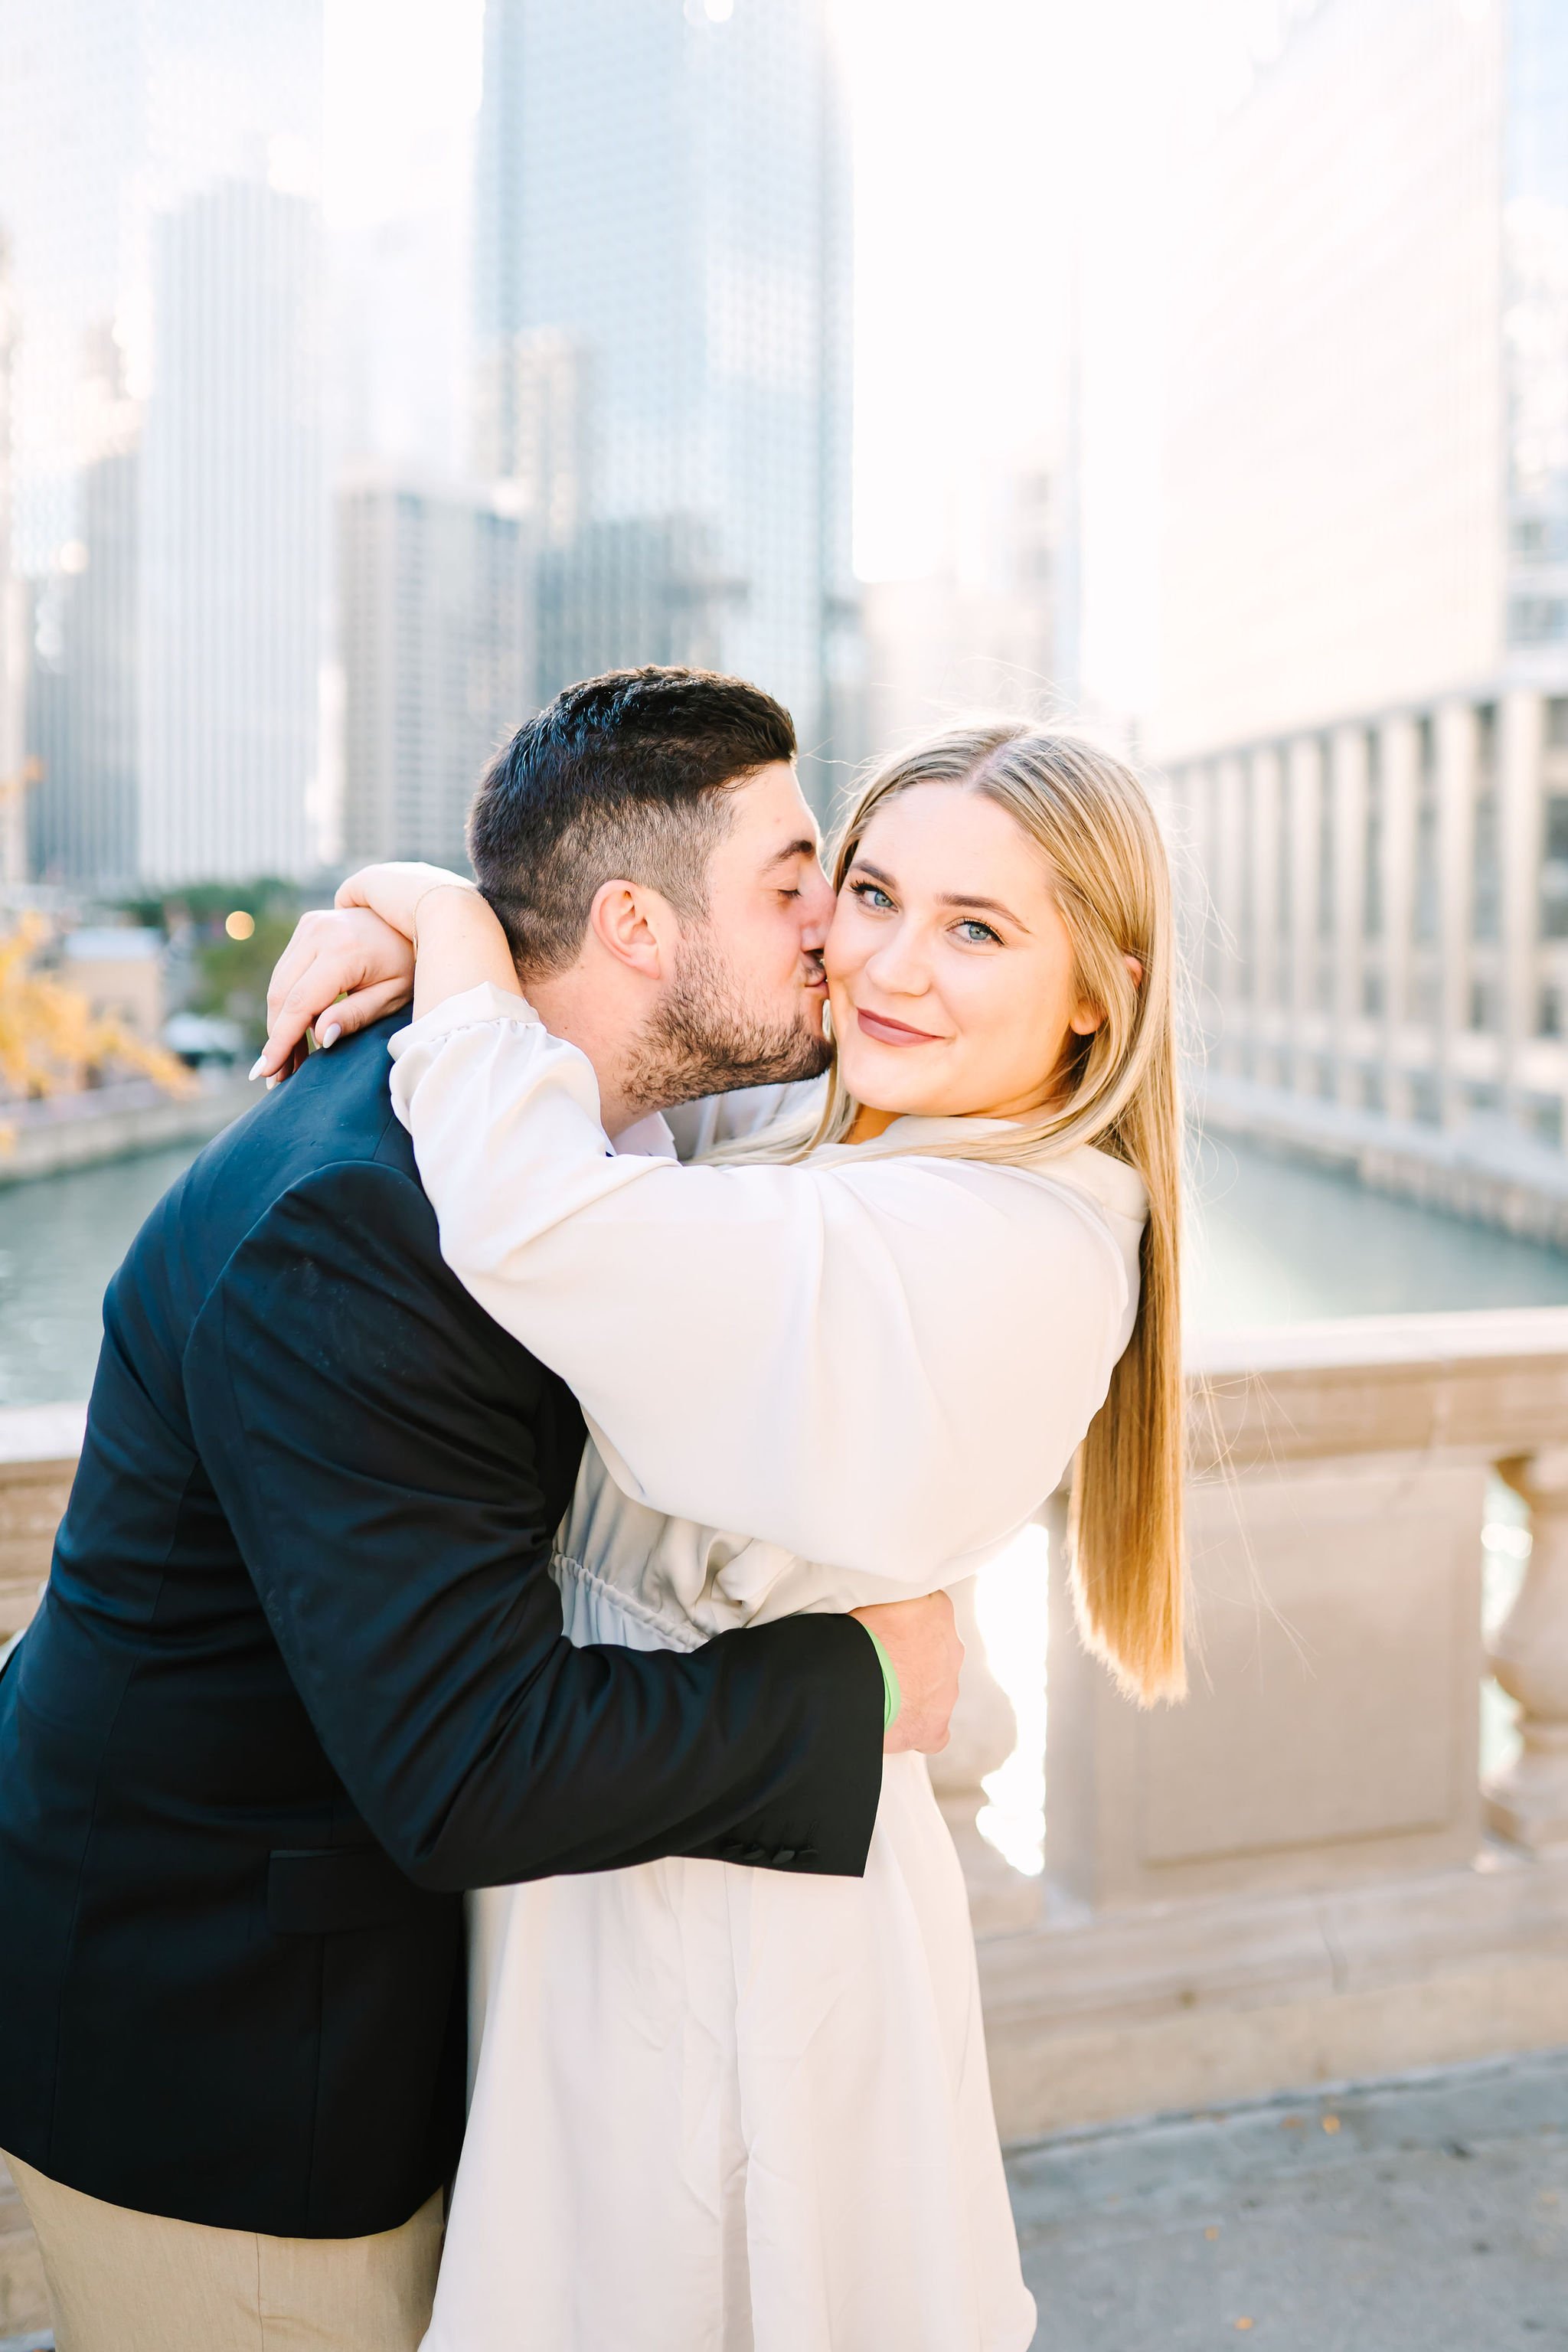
<point x="714" y="2107"/>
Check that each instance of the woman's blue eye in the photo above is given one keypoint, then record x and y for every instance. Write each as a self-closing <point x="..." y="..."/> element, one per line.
<point x="979" y="934"/>
<point x="869" y="894"/>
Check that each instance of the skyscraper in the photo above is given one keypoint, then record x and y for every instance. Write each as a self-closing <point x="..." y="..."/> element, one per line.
<point x="662" y="232"/>
<point x="157" y="160"/>
<point x="13" y="657"/>
<point x="1366" y="635"/>
<point x="436" y="592"/>
<point x="231" y="537"/>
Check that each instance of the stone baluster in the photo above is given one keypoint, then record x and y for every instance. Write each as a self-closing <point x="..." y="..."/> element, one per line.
<point x="1529" y="1802"/>
<point x="984" y="1733"/>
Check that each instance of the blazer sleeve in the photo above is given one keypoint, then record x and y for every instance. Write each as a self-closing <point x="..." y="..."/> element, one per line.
<point x="375" y="1443"/>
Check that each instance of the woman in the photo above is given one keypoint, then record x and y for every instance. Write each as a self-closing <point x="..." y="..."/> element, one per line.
<point x="723" y="2107"/>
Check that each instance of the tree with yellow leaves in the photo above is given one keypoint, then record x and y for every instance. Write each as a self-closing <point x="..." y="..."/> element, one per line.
<point x="51" y="1040"/>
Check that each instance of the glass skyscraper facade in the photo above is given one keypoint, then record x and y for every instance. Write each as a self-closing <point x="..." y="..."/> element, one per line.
<point x="159" y="162"/>
<point x="663" y="224"/>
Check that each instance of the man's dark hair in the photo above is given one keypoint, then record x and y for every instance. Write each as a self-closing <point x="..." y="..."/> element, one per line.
<point x="621" y="778"/>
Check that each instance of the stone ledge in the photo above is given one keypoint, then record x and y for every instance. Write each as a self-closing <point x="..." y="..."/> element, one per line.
<point x="41" y="1436"/>
<point x="1178" y="2006"/>
<point x="120" y="1123"/>
<point x="38" y="1450"/>
<point x="24" y="2305"/>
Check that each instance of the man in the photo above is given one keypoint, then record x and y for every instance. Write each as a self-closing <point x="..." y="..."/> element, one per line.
<point x="299" y="1677"/>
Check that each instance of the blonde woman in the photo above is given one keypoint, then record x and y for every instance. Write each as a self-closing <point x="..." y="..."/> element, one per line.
<point x="714" y="2105"/>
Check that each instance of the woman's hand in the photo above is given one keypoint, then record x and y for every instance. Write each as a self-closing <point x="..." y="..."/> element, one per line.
<point x="349" y="961"/>
<point x="358" y="960"/>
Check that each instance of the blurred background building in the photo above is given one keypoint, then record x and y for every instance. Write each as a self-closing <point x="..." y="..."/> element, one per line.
<point x="159" y="176"/>
<point x="437" y="643"/>
<point x="997" y="634"/>
<point x="311" y="491"/>
<point x="662" y="336"/>
<point x="14" y="774"/>
<point x="1364" y="647"/>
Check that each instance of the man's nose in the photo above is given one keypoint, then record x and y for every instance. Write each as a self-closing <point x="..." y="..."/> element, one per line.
<point x="816" y="905"/>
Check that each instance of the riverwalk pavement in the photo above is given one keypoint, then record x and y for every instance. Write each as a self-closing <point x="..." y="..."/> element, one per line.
<point x="1430" y="2213"/>
<point x="1426" y="2215"/>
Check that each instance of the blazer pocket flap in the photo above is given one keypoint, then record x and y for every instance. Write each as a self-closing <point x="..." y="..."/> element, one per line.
<point x="320" y="1891"/>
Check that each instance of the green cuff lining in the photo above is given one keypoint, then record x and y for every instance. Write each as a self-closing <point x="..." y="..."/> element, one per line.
<point x="892" y="1696"/>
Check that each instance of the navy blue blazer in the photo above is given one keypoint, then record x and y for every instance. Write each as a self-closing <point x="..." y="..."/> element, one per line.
<point x="299" y="1679"/>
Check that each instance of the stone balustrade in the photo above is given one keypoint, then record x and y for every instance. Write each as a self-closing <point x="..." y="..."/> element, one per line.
<point x="1298" y="1875"/>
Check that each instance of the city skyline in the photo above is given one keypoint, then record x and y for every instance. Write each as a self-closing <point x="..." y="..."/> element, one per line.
<point x="160" y="168"/>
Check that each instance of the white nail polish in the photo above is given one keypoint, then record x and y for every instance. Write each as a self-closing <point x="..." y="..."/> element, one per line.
<point x="325" y="1037"/>
<point x="270" y="1084"/>
<point x="256" y="1066"/>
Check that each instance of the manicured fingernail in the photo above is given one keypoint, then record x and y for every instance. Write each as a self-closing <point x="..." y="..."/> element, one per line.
<point x="328" y="1036"/>
<point x="259" y="1065"/>
<point x="270" y="1084"/>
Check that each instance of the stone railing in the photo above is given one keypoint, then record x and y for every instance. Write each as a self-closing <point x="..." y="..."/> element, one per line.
<point x="1297" y="1875"/>
<point x="38" y="1447"/>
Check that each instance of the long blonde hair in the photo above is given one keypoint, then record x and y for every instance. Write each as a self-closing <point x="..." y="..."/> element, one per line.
<point x="1091" y="817"/>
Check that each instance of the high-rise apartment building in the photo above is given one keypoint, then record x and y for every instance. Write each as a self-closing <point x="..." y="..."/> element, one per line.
<point x="232" y="534"/>
<point x="1364" y="707"/>
<point x="435" y="597"/>
<point x="13" y="776"/>
<point x="158" y="160"/>
<point x="663" y="240"/>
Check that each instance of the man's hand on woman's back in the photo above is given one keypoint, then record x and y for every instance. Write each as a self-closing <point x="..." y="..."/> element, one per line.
<point x="922" y="1642"/>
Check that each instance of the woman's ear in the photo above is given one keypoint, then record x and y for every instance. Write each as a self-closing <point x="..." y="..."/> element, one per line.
<point x="1088" y="1016"/>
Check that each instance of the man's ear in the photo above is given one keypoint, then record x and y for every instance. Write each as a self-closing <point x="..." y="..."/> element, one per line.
<point x="636" y="927"/>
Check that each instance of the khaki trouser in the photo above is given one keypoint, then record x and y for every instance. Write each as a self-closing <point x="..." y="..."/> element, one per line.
<point x="126" y="2282"/>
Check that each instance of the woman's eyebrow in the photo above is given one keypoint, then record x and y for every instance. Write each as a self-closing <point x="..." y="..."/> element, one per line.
<point x="944" y="898"/>
<point x="970" y="899"/>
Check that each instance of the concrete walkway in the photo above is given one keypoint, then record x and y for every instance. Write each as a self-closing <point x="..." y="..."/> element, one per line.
<point x="1430" y="2213"/>
<point x="1422" y="2216"/>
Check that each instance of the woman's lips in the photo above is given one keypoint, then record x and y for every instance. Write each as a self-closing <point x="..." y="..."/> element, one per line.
<point x="893" y="1033"/>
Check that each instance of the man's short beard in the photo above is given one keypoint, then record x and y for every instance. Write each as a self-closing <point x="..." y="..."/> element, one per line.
<point x="705" y="1040"/>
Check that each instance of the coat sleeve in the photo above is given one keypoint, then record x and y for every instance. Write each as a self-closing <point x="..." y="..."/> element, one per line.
<point x="379" y="1450"/>
<point x="885" y="1365"/>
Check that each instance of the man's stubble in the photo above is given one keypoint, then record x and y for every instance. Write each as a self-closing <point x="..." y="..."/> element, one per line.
<point x="705" y="1039"/>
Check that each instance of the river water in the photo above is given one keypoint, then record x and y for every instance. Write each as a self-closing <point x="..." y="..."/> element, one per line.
<point x="1271" y="1242"/>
